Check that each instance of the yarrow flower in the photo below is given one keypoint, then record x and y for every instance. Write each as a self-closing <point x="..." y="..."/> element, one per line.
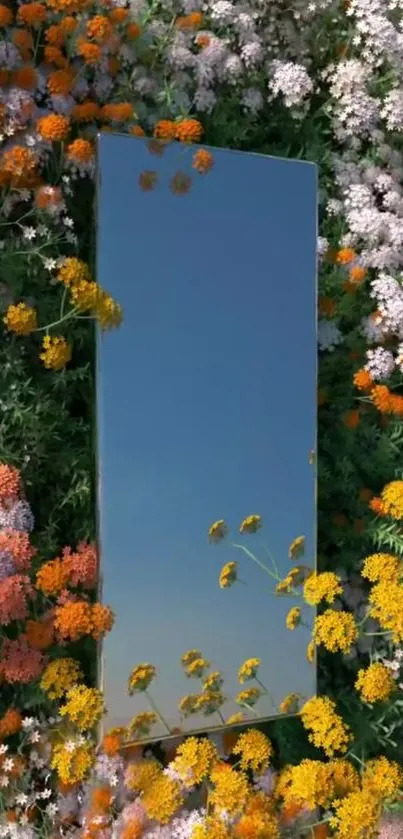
<point x="375" y="683"/>
<point x="141" y="677"/>
<point x="335" y="630"/>
<point x="254" y="750"/>
<point x="325" y="586"/>
<point x="327" y="729"/>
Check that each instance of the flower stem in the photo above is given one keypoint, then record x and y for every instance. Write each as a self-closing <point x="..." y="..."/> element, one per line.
<point x="157" y="711"/>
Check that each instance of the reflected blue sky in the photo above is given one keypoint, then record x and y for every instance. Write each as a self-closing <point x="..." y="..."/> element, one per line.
<point x="206" y="410"/>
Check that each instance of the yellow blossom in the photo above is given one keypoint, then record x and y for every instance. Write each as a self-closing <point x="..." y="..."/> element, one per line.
<point x="162" y="799"/>
<point x="255" y="750"/>
<point x="248" y="670"/>
<point x="344" y="776"/>
<point x="108" y="312"/>
<point x="141" y="774"/>
<point x="214" y="681"/>
<point x="248" y="697"/>
<point x="210" y="701"/>
<point x="228" y="574"/>
<point x="319" y="587"/>
<point x="257" y="825"/>
<point x="56" y="352"/>
<point x="293" y="618"/>
<point x="386" y="600"/>
<point x="194" y="760"/>
<point x="251" y="524"/>
<point x="59" y="676"/>
<point x="375" y="683"/>
<point x="197" y="668"/>
<point x="326" y="727"/>
<point x="73" y="271"/>
<point x="310" y="651"/>
<point x="212" y="828"/>
<point x="72" y="761"/>
<point x="392" y="500"/>
<point x="297" y="547"/>
<point x="141" y="677"/>
<point x="337" y="631"/>
<point x="84" y="295"/>
<point x="218" y="531"/>
<point x="189" y="656"/>
<point x="284" y="586"/>
<point x="382" y="777"/>
<point x="382" y="568"/>
<point x="307" y="784"/>
<point x="21" y="319"/>
<point x="189" y="704"/>
<point x="230" y="790"/>
<point x="84" y="706"/>
<point x="141" y="724"/>
<point x="289" y="705"/>
<point x="356" y="816"/>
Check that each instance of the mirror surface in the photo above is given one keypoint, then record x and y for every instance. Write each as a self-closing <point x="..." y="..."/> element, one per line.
<point x="206" y="415"/>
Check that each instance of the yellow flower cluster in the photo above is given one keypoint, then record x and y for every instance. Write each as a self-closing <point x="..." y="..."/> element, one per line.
<point x="326" y="727"/>
<point x="337" y="631"/>
<point x="386" y="599"/>
<point x="375" y="683"/>
<point x="382" y="567"/>
<point x="230" y="790"/>
<point x="313" y="783"/>
<point x="142" y="774"/>
<point x="86" y="295"/>
<point x="141" y="677"/>
<point x="254" y="750"/>
<point x="251" y="524"/>
<point x="218" y="531"/>
<point x="228" y="574"/>
<point x="382" y="777"/>
<point x="162" y="799"/>
<point x="56" y="352"/>
<point x="293" y="618"/>
<point x="248" y="670"/>
<point x="356" y="816"/>
<point x="72" y="760"/>
<point x="84" y="706"/>
<point x="141" y="724"/>
<point x="297" y="548"/>
<point x="21" y="319"/>
<point x="194" y="760"/>
<point x="322" y="587"/>
<point x="392" y="500"/>
<point x="59" y="676"/>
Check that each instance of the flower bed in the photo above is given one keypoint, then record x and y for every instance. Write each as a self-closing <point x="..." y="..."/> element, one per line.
<point x="321" y="81"/>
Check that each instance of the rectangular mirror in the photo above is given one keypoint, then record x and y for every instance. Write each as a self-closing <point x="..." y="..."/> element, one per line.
<point x="206" y="426"/>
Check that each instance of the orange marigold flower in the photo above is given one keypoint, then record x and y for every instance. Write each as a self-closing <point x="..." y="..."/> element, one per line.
<point x="180" y="183"/>
<point x="396" y="404"/>
<point x="69" y="24"/>
<point x="363" y="380"/>
<point x="381" y="398"/>
<point x="376" y="505"/>
<point x="133" y="31"/>
<point x="60" y="82"/>
<point x="118" y="15"/>
<point x="32" y="14"/>
<point x="188" y="131"/>
<point x="47" y="197"/>
<point x="99" y="28"/>
<point x="68" y="7"/>
<point x="18" y="161"/>
<point x="147" y="180"/>
<point x="40" y="633"/>
<point x="111" y="744"/>
<point x="192" y="21"/>
<point x="351" y="419"/>
<point x="137" y="131"/>
<point x="91" y="53"/>
<point x="80" y="151"/>
<point x="118" y="111"/>
<point x="52" y="577"/>
<point x="203" y="161"/>
<point x="102" y="619"/>
<point x="165" y="130"/>
<point x="101" y="799"/>
<point x="203" y="40"/>
<point x="54" y="55"/>
<point x="55" y="36"/>
<point x="10" y="723"/>
<point x="53" y="127"/>
<point x="25" y="77"/>
<point x="10" y="483"/>
<point x="86" y="112"/>
<point x="17" y="545"/>
<point x="24" y="41"/>
<point x="357" y="274"/>
<point x="345" y="256"/>
<point x="73" y="620"/>
<point x="6" y="16"/>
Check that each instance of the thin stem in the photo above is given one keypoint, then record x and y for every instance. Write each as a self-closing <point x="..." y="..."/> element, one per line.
<point x="69" y="315"/>
<point x="272" y="561"/>
<point x="157" y="711"/>
<point x="267" y="692"/>
<point x="254" y="559"/>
